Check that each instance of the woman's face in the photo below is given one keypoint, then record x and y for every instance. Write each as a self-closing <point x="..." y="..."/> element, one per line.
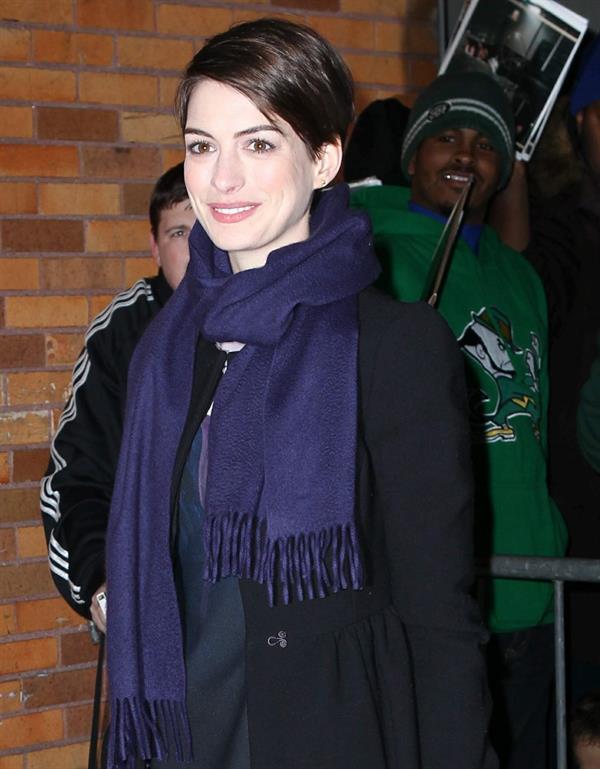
<point x="250" y="179"/>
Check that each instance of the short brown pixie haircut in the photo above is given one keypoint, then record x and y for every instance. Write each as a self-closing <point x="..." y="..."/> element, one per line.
<point x="287" y="70"/>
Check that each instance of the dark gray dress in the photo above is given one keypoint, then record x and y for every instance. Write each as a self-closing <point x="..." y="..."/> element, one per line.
<point x="214" y="637"/>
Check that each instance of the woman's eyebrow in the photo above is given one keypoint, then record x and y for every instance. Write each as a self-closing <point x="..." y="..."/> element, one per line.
<point x="244" y="132"/>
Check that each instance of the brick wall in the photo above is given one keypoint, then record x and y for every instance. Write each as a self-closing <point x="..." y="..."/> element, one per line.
<point x="86" y="88"/>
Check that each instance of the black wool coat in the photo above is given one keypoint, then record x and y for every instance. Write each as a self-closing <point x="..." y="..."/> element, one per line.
<point x="392" y="676"/>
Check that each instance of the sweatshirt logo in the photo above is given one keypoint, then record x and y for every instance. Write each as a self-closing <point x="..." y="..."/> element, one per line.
<point x="513" y="375"/>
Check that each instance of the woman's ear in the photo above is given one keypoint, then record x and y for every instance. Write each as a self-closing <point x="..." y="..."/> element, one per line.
<point x="328" y="163"/>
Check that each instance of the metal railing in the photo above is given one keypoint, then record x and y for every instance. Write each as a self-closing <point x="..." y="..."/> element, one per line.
<point x="558" y="571"/>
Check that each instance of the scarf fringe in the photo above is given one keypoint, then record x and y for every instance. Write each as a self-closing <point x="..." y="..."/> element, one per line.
<point x="147" y="730"/>
<point x="306" y="565"/>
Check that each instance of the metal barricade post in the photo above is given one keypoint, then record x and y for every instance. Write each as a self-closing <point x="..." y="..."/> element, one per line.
<point x="558" y="571"/>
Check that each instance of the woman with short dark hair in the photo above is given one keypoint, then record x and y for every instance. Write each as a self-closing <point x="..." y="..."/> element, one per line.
<point x="289" y="553"/>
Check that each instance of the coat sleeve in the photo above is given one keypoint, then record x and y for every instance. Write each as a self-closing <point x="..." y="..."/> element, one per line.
<point x="418" y="438"/>
<point x="76" y="491"/>
<point x="588" y="416"/>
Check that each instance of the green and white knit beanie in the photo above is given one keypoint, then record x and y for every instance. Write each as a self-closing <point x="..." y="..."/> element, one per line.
<point x="463" y="100"/>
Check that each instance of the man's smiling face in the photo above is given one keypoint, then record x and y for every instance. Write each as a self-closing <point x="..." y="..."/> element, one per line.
<point x="442" y="165"/>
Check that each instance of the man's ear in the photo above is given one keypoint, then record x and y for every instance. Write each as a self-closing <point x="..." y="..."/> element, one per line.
<point x="412" y="163"/>
<point x="154" y="249"/>
<point x="328" y="163"/>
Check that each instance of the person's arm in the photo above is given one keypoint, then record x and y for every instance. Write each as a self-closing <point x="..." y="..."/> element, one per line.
<point x="588" y="417"/>
<point x="509" y="211"/>
<point x="77" y="489"/>
<point x="418" y="437"/>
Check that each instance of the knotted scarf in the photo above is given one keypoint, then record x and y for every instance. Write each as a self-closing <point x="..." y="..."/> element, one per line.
<point x="279" y="506"/>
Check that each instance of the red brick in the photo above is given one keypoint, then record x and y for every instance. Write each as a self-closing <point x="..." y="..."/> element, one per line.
<point x="10" y="696"/>
<point x="136" y="198"/>
<point x="97" y="303"/>
<point x="150" y="127"/>
<point x="62" y="349"/>
<point x="38" y="387"/>
<point x="8" y="545"/>
<point x="17" y="429"/>
<point x="402" y="38"/>
<point x="29" y="465"/>
<point x="87" y="124"/>
<point x="344" y="33"/>
<point x="113" y="236"/>
<point x="17" y="122"/>
<point x="8" y="625"/>
<point x="170" y="158"/>
<point x="25" y="731"/>
<point x="18" y="505"/>
<point x="387" y="70"/>
<point x="374" y="7"/>
<point x="167" y="87"/>
<point x="202" y="21"/>
<point x="45" y="311"/>
<point x="19" y="274"/>
<point x="21" y="350"/>
<point x="47" y="614"/>
<point x="4" y="467"/>
<point x="31" y="542"/>
<point x="122" y="162"/>
<point x="58" y="688"/>
<point x="17" y="198"/>
<point x="22" y="581"/>
<point x="31" y="85"/>
<point x="77" y="648"/>
<point x="34" y="654"/>
<point x="421" y="9"/>
<point x="60" y="198"/>
<point x="311" y="5"/>
<point x="14" y="44"/>
<point x="114" y="14"/>
<point x="423" y="72"/>
<point x="42" y="235"/>
<point x="72" y="48"/>
<point x="56" y="12"/>
<point x="88" y="273"/>
<point x="139" y="268"/>
<point x="38" y="160"/>
<point x="65" y="757"/>
<point x="79" y="720"/>
<point x="118" y="88"/>
<point x="12" y="762"/>
<point x="154" y="53"/>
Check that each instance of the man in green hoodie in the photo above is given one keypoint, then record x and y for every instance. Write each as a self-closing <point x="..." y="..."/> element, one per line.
<point x="462" y="127"/>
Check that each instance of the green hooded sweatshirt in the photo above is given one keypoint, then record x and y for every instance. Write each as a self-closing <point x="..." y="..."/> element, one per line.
<point x="495" y="305"/>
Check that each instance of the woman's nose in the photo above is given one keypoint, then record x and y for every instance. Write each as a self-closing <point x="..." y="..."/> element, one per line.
<point x="228" y="173"/>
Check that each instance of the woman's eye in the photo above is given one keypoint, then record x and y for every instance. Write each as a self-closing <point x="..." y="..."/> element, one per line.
<point x="200" y="148"/>
<point x="260" y="145"/>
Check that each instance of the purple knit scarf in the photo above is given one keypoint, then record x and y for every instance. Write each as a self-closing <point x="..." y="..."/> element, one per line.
<point x="281" y="468"/>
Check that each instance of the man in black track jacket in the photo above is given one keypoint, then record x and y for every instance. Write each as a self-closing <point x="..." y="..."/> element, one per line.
<point x="77" y="488"/>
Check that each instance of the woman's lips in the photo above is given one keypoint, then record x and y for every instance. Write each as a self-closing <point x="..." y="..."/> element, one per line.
<point x="231" y="213"/>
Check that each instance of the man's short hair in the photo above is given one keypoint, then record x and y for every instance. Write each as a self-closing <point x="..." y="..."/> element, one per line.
<point x="169" y="190"/>
<point x="585" y="723"/>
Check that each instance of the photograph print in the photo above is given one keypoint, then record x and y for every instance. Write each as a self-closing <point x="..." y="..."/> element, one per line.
<point x="528" y="46"/>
